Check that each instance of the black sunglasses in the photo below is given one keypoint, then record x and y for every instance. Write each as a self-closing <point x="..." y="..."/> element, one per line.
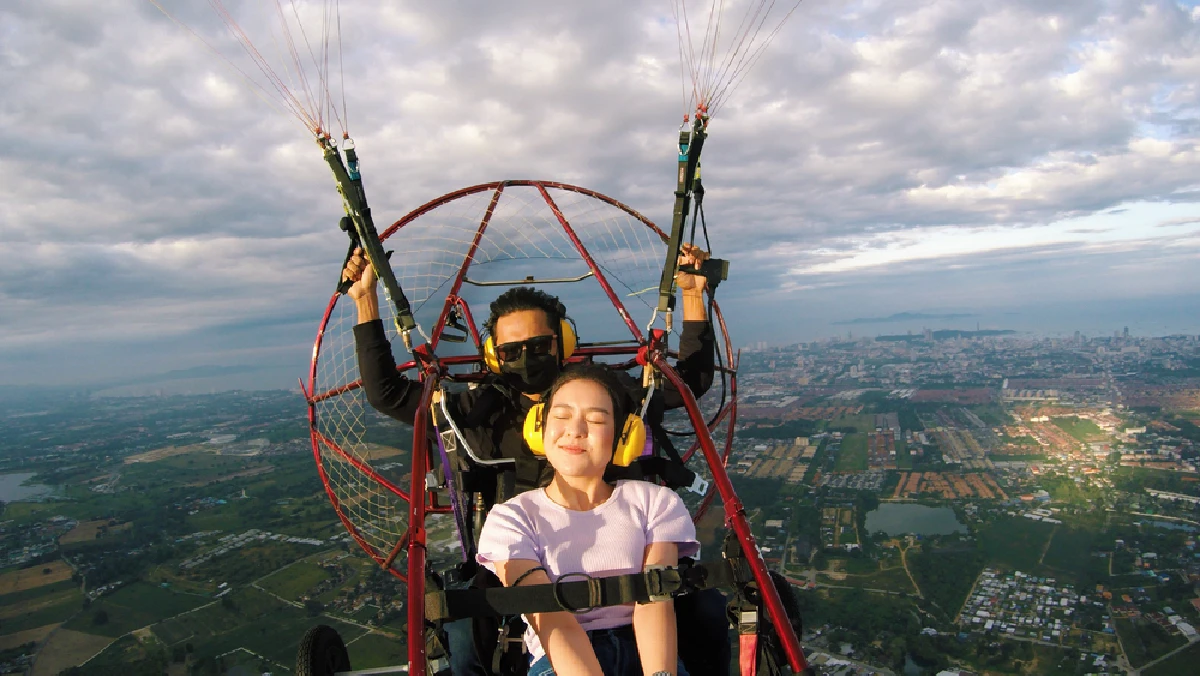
<point x="538" y="346"/>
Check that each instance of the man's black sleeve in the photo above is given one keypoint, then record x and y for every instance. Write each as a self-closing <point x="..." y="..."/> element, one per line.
<point x="696" y="364"/>
<point x="388" y="391"/>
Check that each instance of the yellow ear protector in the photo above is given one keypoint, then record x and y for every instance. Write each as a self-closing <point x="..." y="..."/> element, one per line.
<point x="629" y="446"/>
<point x="567" y="342"/>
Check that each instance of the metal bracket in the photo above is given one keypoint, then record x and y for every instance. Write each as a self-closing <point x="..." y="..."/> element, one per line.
<point x="699" y="485"/>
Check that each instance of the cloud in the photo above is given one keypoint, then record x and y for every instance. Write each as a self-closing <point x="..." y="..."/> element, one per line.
<point x="1180" y="222"/>
<point x="149" y="198"/>
<point x="904" y="317"/>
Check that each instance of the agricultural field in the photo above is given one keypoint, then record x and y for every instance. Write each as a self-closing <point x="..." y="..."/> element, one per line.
<point x="1070" y="551"/>
<point x="292" y="582"/>
<point x="1182" y="663"/>
<point x="68" y="648"/>
<point x="193" y="470"/>
<point x="1145" y="641"/>
<point x="249" y="619"/>
<point x="374" y="650"/>
<point x="853" y="455"/>
<point x="90" y="531"/>
<point x="903" y="455"/>
<point x="34" y="608"/>
<point x="133" y="607"/>
<point x="1082" y="430"/>
<point x="862" y="423"/>
<point x="1014" y="543"/>
<point x="34" y="577"/>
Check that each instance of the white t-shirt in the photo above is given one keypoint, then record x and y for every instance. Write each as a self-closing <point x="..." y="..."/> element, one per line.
<point x="608" y="540"/>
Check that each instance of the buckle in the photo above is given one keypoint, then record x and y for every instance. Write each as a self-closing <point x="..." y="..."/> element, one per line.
<point x="662" y="582"/>
<point x="595" y="593"/>
<point x="699" y="485"/>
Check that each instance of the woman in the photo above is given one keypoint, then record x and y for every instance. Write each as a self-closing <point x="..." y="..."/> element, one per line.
<point x="580" y="524"/>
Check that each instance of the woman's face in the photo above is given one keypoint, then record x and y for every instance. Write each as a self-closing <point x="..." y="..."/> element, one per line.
<point x="580" y="429"/>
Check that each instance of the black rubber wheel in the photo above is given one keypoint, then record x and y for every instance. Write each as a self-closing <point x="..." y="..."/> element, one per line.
<point x="321" y="653"/>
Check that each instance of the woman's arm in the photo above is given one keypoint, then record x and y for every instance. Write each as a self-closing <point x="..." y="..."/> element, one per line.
<point x="565" y="642"/>
<point x="654" y="623"/>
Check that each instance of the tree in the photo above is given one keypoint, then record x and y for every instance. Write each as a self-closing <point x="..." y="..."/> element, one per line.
<point x="101" y="617"/>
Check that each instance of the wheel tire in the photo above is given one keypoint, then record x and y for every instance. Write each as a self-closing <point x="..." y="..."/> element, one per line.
<point x="322" y="653"/>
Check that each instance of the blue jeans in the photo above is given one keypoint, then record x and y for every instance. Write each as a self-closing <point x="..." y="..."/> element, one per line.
<point x="461" y="644"/>
<point x="616" y="651"/>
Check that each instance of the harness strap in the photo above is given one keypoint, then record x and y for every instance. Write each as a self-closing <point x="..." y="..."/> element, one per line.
<point x="576" y="592"/>
<point x="672" y="473"/>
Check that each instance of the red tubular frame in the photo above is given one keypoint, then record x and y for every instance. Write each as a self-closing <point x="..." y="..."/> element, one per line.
<point x="414" y="540"/>
<point x="416" y="533"/>
<point x="735" y="514"/>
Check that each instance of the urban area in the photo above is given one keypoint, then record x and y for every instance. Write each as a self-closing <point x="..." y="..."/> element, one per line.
<point x="945" y="502"/>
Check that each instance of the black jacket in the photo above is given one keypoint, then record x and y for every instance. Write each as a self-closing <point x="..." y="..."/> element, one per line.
<point x="490" y="416"/>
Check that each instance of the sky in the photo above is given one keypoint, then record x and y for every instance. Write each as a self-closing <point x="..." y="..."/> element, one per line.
<point x="1006" y="164"/>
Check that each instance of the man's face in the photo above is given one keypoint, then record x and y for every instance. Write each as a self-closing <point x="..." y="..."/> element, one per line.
<point x="522" y="325"/>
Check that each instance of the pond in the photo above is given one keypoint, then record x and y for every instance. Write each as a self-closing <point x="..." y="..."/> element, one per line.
<point x="901" y="519"/>
<point x="12" y="490"/>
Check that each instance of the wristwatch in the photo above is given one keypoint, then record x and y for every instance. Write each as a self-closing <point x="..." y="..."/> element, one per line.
<point x="661" y="673"/>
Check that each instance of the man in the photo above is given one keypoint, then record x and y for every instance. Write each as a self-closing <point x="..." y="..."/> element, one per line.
<point x="528" y="321"/>
<point x="527" y="328"/>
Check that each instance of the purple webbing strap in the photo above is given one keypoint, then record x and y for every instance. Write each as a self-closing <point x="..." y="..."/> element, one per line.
<point x="455" y="506"/>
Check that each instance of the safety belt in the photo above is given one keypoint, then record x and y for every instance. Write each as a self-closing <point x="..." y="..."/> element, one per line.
<point x="577" y="592"/>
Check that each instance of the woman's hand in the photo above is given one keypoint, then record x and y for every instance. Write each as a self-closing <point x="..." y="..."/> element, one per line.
<point x="565" y="642"/>
<point x="654" y="623"/>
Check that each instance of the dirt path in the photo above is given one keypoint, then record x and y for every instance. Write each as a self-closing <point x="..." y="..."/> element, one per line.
<point x="1047" y="547"/>
<point x="904" y="562"/>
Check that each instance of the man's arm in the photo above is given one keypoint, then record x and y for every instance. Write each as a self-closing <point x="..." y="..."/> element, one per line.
<point x="565" y="642"/>
<point x="654" y="623"/>
<point x="696" y="364"/>
<point x="387" y="390"/>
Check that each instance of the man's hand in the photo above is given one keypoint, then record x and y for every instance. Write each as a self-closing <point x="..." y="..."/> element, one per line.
<point x="691" y="256"/>
<point x="358" y="269"/>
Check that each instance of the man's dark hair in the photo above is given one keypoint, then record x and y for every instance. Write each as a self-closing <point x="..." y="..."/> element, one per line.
<point x="525" y="298"/>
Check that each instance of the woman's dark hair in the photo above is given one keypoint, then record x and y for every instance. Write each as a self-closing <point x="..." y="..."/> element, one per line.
<point x="525" y="298"/>
<point x="623" y="403"/>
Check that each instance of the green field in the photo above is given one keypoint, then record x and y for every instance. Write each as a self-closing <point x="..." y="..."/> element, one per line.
<point x="892" y="579"/>
<point x="53" y="606"/>
<point x="1182" y="663"/>
<point x="375" y="650"/>
<point x="1145" y="641"/>
<point x="853" y="455"/>
<point x="251" y="619"/>
<point x="1014" y="543"/>
<point x="862" y="423"/>
<point x="133" y="607"/>
<point x="903" y="456"/>
<point x="1070" y="551"/>
<point x="42" y="592"/>
<point x="1082" y="430"/>
<point x="292" y="582"/>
